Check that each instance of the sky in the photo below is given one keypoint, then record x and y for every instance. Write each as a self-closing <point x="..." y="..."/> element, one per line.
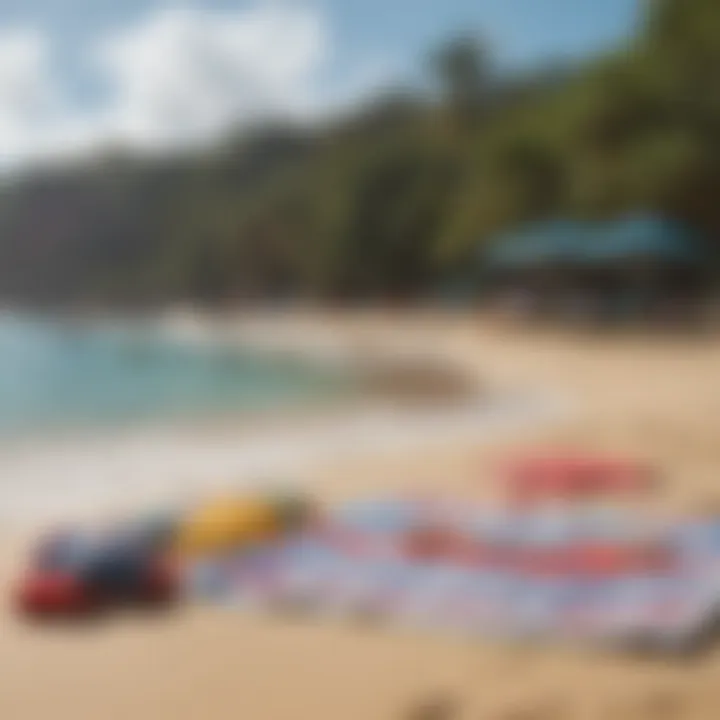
<point x="158" y="74"/>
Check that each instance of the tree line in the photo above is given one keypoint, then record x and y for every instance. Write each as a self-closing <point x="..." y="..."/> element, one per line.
<point x="395" y="200"/>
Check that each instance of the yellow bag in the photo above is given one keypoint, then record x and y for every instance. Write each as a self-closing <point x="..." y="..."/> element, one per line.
<point x="228" y="524"/>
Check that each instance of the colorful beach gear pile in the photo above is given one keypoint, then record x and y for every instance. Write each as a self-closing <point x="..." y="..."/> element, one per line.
<point x="76" y="573"/>
<point x="551" y="561"/>
<point x="145" y="560"/>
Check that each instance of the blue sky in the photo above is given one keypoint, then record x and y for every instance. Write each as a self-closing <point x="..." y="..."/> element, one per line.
<point x="76" y="68"/>
<point x="524" y="31"/>
<point x="519" y="31"/>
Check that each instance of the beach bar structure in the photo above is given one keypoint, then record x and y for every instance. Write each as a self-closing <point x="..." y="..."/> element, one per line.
<point x="640" y="267"/>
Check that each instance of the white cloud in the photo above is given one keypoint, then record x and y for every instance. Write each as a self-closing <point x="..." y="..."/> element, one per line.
<point x="186" y="74"/>
<point x="178" y="76"/>
<point x="29" y="99"/>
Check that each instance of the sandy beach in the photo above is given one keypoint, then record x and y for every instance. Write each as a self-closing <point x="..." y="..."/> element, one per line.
<point x="652" y="398"/>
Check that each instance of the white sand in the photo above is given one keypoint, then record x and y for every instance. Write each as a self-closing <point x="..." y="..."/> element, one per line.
<point x="649" y="399"/>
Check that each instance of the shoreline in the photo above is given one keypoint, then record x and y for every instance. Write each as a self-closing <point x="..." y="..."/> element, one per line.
<point x="82" y="475"/>
<point x="91" y="476"/>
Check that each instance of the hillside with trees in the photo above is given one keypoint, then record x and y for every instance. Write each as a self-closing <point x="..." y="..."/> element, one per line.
<point x="393" y="201"/>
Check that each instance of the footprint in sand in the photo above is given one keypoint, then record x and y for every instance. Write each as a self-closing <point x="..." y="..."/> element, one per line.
<point x="436" y="708"/>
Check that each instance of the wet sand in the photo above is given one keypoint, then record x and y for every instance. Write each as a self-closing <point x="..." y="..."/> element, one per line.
<point x="655" y="399"/>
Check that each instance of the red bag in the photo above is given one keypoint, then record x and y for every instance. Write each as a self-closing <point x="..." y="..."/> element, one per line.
<point x="50" y="593"/>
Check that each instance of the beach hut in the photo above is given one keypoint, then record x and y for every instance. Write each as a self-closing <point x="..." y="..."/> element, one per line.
<point x="646" y="267"/>
<point x="641" y="266"/>
<point x="533" y="268"/>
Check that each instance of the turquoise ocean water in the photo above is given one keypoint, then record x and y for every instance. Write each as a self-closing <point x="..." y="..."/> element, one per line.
<point x="60" y="376"/>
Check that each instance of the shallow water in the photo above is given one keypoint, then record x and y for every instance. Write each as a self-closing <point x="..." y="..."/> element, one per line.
<point x="123" y="388"/>
<point x="56" y="375"/>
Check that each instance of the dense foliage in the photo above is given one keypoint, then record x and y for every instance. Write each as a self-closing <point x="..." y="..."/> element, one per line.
<point x="394" y="200"/>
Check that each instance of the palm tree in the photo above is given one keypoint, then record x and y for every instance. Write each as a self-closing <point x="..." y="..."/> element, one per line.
<point x="461" y="68"/>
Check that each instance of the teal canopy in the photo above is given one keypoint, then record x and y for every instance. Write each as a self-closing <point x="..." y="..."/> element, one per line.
<point x="644" y="236"/>
<point x="555" y="242"/>
<point x="567" y="242"/>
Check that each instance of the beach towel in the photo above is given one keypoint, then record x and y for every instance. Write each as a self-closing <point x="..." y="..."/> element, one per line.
<point x="557" y="575"/>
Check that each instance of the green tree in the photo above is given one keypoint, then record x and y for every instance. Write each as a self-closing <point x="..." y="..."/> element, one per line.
<point x="461" y="68"/>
